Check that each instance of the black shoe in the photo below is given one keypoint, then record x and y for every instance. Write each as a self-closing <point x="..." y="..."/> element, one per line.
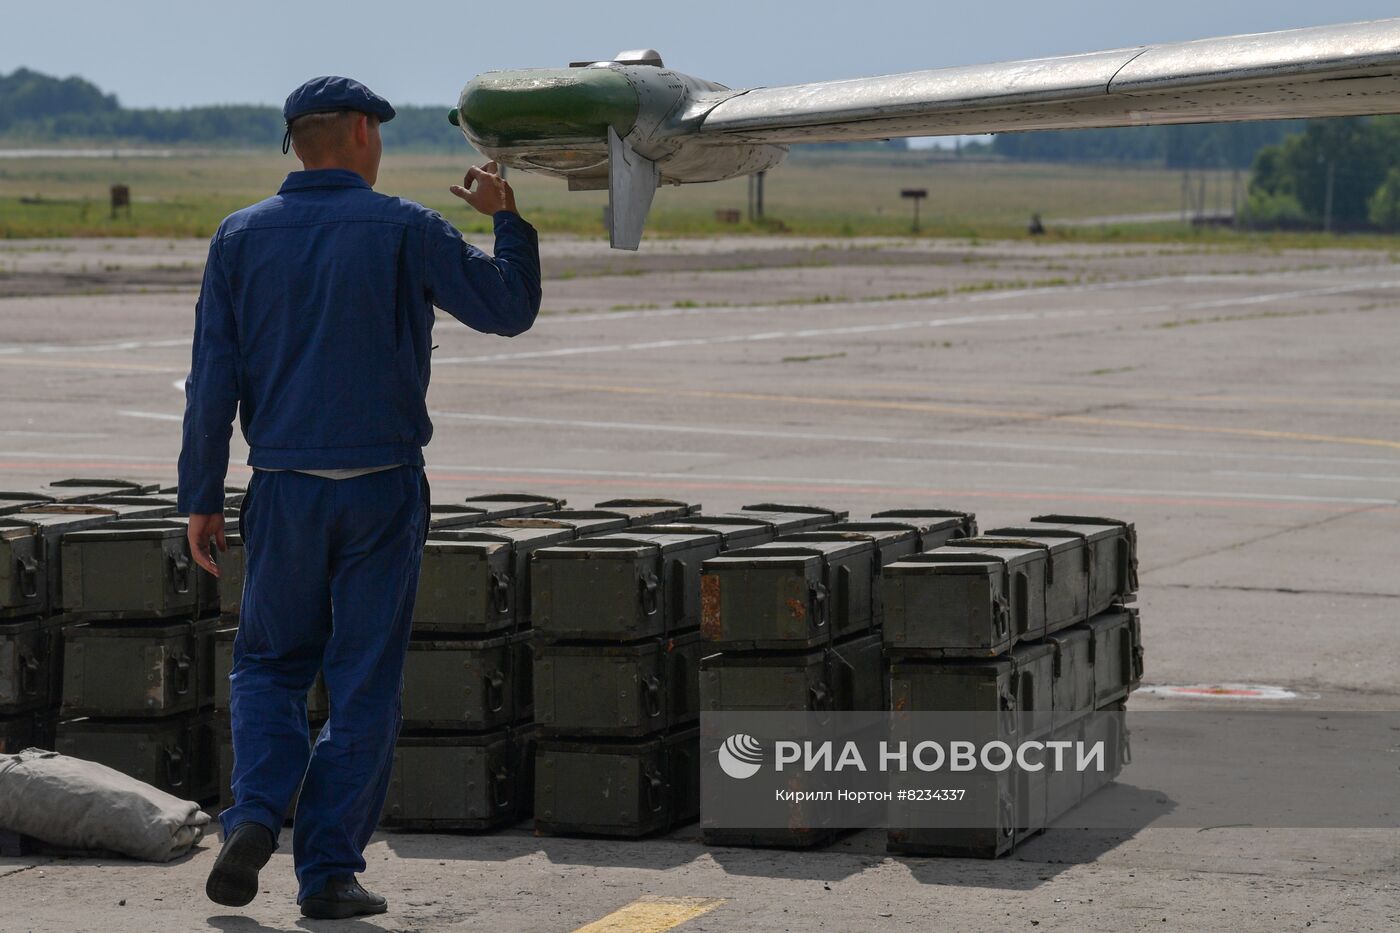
<point x="341" y="898"/>
<point x="233" y="881"/>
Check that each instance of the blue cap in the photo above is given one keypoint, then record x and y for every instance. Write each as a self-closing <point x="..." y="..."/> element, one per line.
<point x="330" y="93"/>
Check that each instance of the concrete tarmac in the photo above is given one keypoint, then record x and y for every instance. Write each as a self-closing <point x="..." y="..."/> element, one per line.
<point x="1240" y="406"/>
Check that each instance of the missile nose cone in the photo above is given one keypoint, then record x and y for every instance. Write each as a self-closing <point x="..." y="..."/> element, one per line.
<point x="510" y="108"/>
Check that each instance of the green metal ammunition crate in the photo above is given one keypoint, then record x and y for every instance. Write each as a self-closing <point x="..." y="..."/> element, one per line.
<point x="626" y="691"/>
<point x="787" y="519"/>
<point x="134" y="570"/>
<point x="464" y="587"/>
<point x="586" y="522"/>
<point x="891" y="542"/>
<point x="30" y="661"/>
<point x="650" y="511"/>
<point x="467" y="685"/>
<point x="1116" y="651"/>
<point x="846" y="676"/>
<point x="454" y="516"/>
<point x="789" y="596"/>
<point x="963" y="524"/>
<point x="177" y="754"/>
<point x="1067" y="571"/>
<point x="947" y="607"/>
<point x="81" y="489"/>
<point x="1111" y="729"/>
<point x="733" y="532"/>
<point x="31" y="579"/>
<point x="1026" y="571"/>
<point x="1018" y="686"/>
<point x="993" y="796"/>
<point x="13" y="501"/>
<point x="618" y="788"/>
<point x="447" y="783"/>
<point x="619" y="587"/>
<point x="1112" y="551"/>
<point x="937" y="526"/>
<point x="521" y="544"/>
<point x="1073" y="670"/>
<point x="131" y="669"/>
<point x="513" y="504"/>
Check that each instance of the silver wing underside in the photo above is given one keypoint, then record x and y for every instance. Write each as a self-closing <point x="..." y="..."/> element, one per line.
<point x="1327" y="71"/>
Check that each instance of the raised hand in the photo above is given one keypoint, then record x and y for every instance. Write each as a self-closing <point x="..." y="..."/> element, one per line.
<point x="492" y="193"/>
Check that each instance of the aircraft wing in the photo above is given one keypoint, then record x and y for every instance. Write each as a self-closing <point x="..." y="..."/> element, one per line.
<point x="1326" y="71"/>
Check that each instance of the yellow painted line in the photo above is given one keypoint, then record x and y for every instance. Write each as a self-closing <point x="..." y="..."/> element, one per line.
<point x="953" y="409"/>
<point x="652" y="915"/>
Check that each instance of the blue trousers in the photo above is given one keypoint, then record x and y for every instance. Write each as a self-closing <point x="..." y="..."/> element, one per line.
<point x="331" y="575"/>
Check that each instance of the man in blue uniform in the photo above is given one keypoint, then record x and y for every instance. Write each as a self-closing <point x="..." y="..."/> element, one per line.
<point x="314" y="323"/>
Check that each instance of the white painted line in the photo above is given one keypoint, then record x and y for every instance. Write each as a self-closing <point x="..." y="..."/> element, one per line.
<point x="944" y="461"/>
<point x="1338" y="477"/>
<point x="1224" y="692"/>
<point x="893" y="326"/>
<point x="72" y="434"/>
<point x="955" y="298"/>
<point x="781" y="478"/>
<point x="153" y="415"/>
<point x="669" y="428"/>
<point x="17" y="348"/>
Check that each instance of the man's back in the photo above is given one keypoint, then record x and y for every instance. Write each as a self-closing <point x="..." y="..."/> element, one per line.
<point x="316" y="317"/>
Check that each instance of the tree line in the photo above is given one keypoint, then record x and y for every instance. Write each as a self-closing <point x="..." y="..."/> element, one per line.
<point x="35" y="107"/>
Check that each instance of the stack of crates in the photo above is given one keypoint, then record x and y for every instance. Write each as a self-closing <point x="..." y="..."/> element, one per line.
<point x="32" y="526"/>
<point x="463" y="760"/>
<point x="616" y="651"/>
<point x="139" y="617"/>
<point x="1028" y="624"/>
<point x="798" y="622"/>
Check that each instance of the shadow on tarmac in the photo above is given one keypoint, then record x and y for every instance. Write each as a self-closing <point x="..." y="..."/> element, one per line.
<point x="1050" y="852"/>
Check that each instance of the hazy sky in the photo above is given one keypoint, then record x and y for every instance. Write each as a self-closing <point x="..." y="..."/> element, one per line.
<point x="173" y="54"/>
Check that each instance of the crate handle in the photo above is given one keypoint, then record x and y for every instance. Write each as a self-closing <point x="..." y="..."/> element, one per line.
<point x="27" y="576"/>
<point x="500" y="593"/>
<point x="652" y="688"/>
<point x="495" y="691"/>
<point x="655" y="787"/>
<point x="1001" y="615"/>
<point x="650" y="592"/>
<point x="29" y="677"/>
<point x="182" y="675"/>
<point x="500" y="788"/>
<point x="821" y="605"/>
<point x="180" y="573"/>
<point x="175" y="766"/>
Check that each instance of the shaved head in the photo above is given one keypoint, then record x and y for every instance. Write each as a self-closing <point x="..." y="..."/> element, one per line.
<point x="319" y="136"/>
<point x="338" y="139"/>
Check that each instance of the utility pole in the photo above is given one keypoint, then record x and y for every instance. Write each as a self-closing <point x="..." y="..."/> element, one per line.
<point x="756" y="196"/>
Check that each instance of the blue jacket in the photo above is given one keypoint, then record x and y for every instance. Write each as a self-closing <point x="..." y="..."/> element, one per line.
<point x="315" y="322"/>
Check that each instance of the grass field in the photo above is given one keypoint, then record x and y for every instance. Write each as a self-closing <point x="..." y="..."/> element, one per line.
<point x="813" y="193"/>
